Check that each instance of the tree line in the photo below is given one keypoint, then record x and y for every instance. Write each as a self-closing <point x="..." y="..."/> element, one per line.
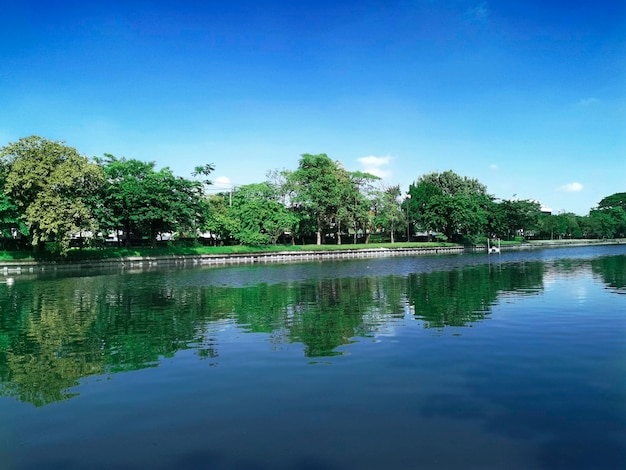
<point x="51" y="193"/>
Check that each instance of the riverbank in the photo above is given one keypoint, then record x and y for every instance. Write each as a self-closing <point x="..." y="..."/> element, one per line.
<point x="264" y="255"/>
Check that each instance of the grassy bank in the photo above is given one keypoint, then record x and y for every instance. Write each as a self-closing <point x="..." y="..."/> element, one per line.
<point x="87" y="254"/>
<point x="91" y="254"/>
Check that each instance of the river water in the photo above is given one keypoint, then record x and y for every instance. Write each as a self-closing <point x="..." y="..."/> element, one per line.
<point x="511" y="361"/>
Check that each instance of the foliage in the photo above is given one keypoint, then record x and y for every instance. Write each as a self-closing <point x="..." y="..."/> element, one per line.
<point x="140" y="200"/>
<point x="614" y="200"/>
<point x="390" y="213"/>
<point x="219" y="221"/>
<point x="606" y="223"/>
<point x="50" y="193"/>
<point x="448" y="203"/>
<point x="317" y="190"/>
<point x="50" y="185"/>
<point x="261" y="218"/>
<point x="509" y="217"/>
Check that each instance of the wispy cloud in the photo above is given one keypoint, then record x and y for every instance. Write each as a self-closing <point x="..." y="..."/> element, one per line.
<point x="587" y="102"/>
<point x="493" y="167"/>
<point x="571" y="187"/>
<point x="478" y="13"/>
<point x="372" y="164"/>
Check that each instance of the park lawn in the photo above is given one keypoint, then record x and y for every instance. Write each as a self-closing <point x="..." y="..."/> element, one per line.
<point x="76" y="254"/>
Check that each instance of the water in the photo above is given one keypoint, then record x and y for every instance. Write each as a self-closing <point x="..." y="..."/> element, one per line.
<point x="515" y="361"/>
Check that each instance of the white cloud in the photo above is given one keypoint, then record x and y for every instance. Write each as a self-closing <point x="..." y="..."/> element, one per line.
<point x="493" y="166"/>
<point x="222" y="181"/>
<point x="587" y="102"/>
<point x="571" y="187"/>
<point x="373" y="165"/>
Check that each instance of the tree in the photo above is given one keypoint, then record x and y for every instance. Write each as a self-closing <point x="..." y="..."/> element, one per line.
<point x="518" y="216"/>
<point x="10" y="218"/>
<point x="448" y="203"/>
<point x="361" y="203"/>
<point x="567" y="225"/>
<point x="260" y="217"/>
<point x="609" y="218"/>
<point x="390" y="214"/>
<point x="50" y="184"/>
<point x="607" y="223"/>
<point x="548" y="225"/>
<point x="614" y="200"/>
<point x="317" y="190"/>
<point x="219" y="221"/>
<point x="138" y="199"/>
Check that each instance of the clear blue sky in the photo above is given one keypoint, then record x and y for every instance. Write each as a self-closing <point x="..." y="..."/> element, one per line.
<point x="528" y="96"/>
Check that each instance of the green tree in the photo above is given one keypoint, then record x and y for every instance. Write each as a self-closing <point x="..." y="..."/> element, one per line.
<point x="361" y="203"/>
<point x="260" y="217"/>
<point x="614" y="200"/>
<point x="10" y="218"/>
<point x="518" y="216"/>
<point x="138" y="199"/>
<point x="568" y="226"/>
<point x="390" y="213"/>
<point x="316" y="190"/>
<point x="219" y="221"/>
<point x="607" y="223"/>
<point x="448" y="203"/>
<point x="548" y="225"/>
<point x="609" y="218"/>
<point x="50" y="184"/>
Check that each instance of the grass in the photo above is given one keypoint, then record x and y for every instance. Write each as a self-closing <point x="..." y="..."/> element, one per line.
<point x="87" y="254"/>
<point x="94" y="254"/>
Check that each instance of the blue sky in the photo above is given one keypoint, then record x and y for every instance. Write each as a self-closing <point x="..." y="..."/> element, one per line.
<point x="527" y="96"/>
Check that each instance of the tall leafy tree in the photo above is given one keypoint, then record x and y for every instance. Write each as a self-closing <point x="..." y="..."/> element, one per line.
<point x="362" y="203"/>
<point x="607" y="223"/>
<point x="609" y="218"/>
<point x="10" y="219"/>
<point x="260" y="216"/>
<point x="449" y="203"/>
<point x="50" y="184"/>
<point x="517" y="216"/>
<point x="317" y="190"/>
<point x="391" y="214"/>
<point x="219" y="220"/>
<point x="138" y="199"/>
<point x="614" y="200"/>
<point x="548" y="225"/>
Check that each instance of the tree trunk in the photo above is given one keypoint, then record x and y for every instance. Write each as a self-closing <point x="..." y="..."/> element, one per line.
<point x="152" y="238"/>
<point x="392" y="239"/>
<point x="127" y="231"/>
<point x="338" y="233"/>
<point x="319" y="231"/>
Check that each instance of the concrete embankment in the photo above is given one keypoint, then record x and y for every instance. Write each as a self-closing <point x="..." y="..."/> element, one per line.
<point x="30" y="266"/>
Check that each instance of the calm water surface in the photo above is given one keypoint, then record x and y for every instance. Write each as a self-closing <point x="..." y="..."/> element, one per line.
<point x="515" y="361"/>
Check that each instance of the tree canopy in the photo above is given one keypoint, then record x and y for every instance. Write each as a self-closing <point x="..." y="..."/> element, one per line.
<point x="448" y="203"/>
<point x="51" y="193"/>
<point x="138" y="199"/>
<point x="50" y="184"/>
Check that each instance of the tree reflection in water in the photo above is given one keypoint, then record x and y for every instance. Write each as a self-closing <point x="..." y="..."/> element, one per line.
<point x="55" y="332"/>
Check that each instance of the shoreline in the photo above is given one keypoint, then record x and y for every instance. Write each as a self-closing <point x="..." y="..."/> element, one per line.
<point x="227" y="259"/>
